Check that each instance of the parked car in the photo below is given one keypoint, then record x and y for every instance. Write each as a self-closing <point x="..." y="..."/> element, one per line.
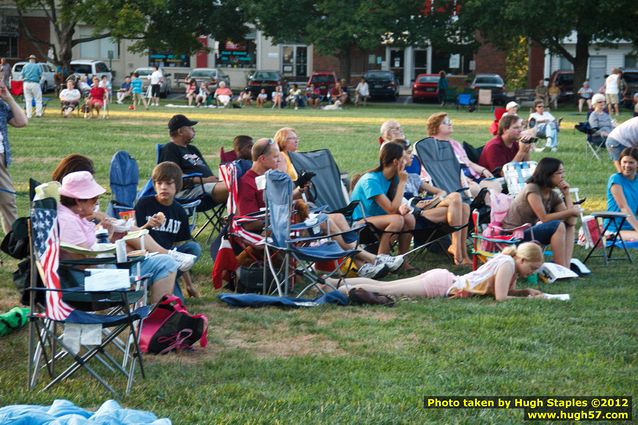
<point x="425" y="87"/>
<point x="630" y="75"/>
<point x="565" y="81"/>
<point x="47" y="81"/>
<point x="91" y="68"/>
<point x="266" y="80"/>
<point x="324" y="81"/>
<point x="382" y="84"/>
<point x="211" y="76"/>
<point x="493" y="82"/>
<point x="145" y="74"/>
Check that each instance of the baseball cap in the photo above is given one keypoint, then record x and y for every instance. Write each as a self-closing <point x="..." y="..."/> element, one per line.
<point x="178" y="121"/>
<point x="80" y="185"/>
<point x="512" y="105"/>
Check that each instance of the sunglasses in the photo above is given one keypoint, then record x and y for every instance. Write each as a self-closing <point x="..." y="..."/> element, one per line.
<point x="266" y="147"/>
<point x="447" y="122"/>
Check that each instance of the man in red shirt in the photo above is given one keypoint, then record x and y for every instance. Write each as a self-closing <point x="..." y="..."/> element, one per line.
<point x="265" y="153"/>
<point x="505" y="146"/>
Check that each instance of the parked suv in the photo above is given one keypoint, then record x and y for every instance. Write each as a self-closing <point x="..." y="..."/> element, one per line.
<point x="493" y="82"/>
<point x="324" y="81"/>
<point x="145" y="75"/>
<point x="382" y="84"/>
<point x="91" y="68"/>
<point x="47" y="81"/>
<point x="565" y="81"/>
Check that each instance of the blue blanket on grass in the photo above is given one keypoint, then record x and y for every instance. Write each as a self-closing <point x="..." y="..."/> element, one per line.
<point x="256" y="300"/>
<point x="63" y="412"/>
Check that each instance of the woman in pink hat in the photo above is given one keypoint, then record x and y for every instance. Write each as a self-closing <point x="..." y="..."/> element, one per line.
<point x="79" y="196"/>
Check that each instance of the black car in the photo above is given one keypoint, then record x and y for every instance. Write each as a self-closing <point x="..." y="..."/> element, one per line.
<point x="382" y="84"/>
<point x="266" y="80"/>
<point x="493" y="82"/>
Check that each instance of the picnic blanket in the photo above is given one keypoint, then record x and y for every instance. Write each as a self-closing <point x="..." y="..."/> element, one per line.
<point x="63" y="412"/>
<point x="256" y="300"/>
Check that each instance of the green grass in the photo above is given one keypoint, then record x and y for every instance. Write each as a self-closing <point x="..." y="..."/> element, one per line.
<point x="352" y="364"/>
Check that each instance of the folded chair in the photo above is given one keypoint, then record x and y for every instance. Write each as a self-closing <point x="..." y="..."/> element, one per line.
<point x="71" y="313"/>
<point x="301" y="244"/>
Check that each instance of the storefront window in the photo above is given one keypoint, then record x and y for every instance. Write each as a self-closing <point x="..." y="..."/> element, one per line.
<point x="169" y="60"/>
<point x="237" y="54"/>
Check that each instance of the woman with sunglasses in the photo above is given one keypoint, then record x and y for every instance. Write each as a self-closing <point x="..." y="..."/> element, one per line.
<point x="545" y="124"/>
<point x="600" y="120"/>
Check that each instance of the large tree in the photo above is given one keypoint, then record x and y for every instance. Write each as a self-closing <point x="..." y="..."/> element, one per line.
<point x="549" y="22"/>
<point x="154" y="24"/>
<point x="335" y="27"/>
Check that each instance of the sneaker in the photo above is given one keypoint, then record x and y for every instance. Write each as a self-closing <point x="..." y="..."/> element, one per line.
<point x="186" y="261"/>
<point x="393" y="263"/>
<point x="554" y="149"/>
<point x="539" y="149"/>
<point x="373" y="271"/>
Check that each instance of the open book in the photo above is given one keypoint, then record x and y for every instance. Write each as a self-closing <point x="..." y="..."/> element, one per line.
<point x="550" y="272"/>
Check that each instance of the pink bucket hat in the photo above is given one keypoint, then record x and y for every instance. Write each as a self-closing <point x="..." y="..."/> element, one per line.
<point x="80" y="185"/>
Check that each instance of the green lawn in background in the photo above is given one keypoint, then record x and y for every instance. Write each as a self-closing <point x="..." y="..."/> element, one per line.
<point x="349" y="364"/>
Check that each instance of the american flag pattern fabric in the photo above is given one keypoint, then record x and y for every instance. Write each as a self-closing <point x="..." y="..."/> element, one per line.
<point x="46" y="244"/>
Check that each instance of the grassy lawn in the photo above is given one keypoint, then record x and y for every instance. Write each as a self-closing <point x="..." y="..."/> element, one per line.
<point x="350" y="364"/>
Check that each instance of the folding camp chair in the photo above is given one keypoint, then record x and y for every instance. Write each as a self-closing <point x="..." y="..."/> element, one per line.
<point x="58" y="330"/>
<point x="516" y="175"/>
<point x="466" y="100"/>
<point x="440" y="162"/>
<point x="123" y="180"/>
<point x="213" y="213"/>
<point x="300" y="251"/>
<point x="594" y="143"/>
<point x="226" y="157"/>
<point x="611" y="236"/>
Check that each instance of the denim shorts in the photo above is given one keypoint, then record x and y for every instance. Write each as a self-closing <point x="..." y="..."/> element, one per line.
<point x="542" y="232"/>
<point x="614" y="148"/>
<point x="157" y="267"/>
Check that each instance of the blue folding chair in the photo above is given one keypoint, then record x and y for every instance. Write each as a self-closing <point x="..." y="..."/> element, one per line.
<point x="466" y="100"/>
<point x="302" y="244"/>
<point x="123" y="180"/>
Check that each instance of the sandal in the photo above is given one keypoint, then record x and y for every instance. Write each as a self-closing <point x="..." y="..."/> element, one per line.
<point x="359" y="296"/>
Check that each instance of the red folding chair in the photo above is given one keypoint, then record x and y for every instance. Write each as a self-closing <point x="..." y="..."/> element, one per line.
<point x="17" y="88"/>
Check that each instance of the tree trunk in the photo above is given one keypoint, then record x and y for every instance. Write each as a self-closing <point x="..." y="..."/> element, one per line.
<point x="345" y="62"/>
<point x="581" y="59"/>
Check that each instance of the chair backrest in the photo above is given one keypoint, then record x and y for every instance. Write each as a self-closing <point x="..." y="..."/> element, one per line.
<point x="439" y="160"/>
<point x="17" y="87"/>
<point x="498" y="113"/>
<point x="123" y="178"/>
<point x="464" y="99"/>
<point x="230" y="174"/>
<point x="278" y="197"/>
<point x="45" y="241"/>
<point x="485" y="97"/>
<point x="226" y="157"/>
<point x="327" y="180"/>
<point x="516" y="175"/>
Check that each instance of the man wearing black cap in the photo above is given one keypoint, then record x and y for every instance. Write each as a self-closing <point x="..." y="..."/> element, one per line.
<point x="190" y="160"/>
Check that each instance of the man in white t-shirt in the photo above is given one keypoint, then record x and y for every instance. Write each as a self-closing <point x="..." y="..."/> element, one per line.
<point x="611" y="91"/>
<point x="156" y="80"/>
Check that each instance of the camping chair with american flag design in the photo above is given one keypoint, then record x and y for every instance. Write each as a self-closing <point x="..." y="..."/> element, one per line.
<point x="67" y="332"/>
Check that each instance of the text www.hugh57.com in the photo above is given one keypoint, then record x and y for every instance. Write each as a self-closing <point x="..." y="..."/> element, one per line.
<point x="583" y="415"/>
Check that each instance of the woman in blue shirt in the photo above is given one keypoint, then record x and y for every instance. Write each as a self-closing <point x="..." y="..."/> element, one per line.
<point x="622" y="193"/>
<point x="380" y="192"/>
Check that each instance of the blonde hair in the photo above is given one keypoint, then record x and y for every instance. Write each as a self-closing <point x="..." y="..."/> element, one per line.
<point x="281" y="135"/>
<point x="388" y="126"/>
<point x="528" y="251"/>
<point x="433" y="123"/>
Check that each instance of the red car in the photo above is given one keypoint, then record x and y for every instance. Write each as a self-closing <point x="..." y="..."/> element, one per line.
<point x="425" y="87"/>
<point x="324" y="81"/>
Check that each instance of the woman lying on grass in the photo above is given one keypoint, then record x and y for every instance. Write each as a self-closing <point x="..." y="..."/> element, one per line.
<point x="497" y="278"/>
